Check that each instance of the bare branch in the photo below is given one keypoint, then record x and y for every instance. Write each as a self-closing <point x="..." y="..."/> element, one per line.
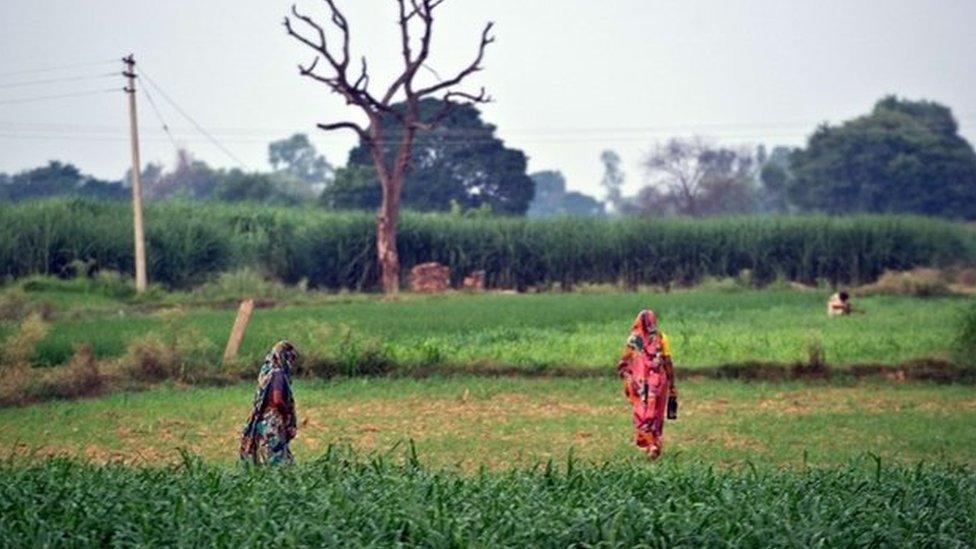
<point x="482" y="96"/>
<point x="475" y="65"/>
<point x="363" y="134"/>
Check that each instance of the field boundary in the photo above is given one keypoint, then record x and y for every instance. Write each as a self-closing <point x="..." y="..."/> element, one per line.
<point x="112" y="380"/>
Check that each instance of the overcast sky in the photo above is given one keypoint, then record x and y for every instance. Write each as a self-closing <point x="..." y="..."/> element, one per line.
<point x="569" y="77"/>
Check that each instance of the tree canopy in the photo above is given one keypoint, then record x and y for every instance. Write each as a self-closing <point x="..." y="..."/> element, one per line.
<point x="905" y="156"/>
<point x="461" y="161"/>
<point x="56" y="179"/>
<point x="552" y="199"/>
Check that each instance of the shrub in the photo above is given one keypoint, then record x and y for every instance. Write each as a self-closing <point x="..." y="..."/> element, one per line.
<point x="14" y="304"/>
<point x="966" y="339"/>
<point x="920" y="282"/>
<point x="20" y="345"/>
<point x="178" y="353"/>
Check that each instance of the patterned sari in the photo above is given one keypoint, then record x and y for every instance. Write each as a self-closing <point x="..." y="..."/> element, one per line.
<point x="272" y="423"/>
<point x="648" y="375"/>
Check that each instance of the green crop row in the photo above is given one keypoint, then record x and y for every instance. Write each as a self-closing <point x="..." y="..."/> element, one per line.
<point x="189" y="243"/>
<point x="343" y="501"/>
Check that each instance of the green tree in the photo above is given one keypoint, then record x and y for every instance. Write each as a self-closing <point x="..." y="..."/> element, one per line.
<point x="905" y="156"/>
<point x="552" y="199"/>
<point x="460" y="160"/>
<point x="353" y="188"/>
<point x="238" y="186"/>
<point x="57" y="179"/>
<point x="298" y="157"/>
<point x="613" y="179"/>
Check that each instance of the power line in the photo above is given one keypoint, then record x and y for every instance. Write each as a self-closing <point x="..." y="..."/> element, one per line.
<point x="57" y="96"/>
<point x="159" y="116"/>
<point x="190" y="119"/>
<point x="54" y="80"/>
<point x="58" y="68"/>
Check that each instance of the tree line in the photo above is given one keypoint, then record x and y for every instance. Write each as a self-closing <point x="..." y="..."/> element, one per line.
<point x="902" y="157"/>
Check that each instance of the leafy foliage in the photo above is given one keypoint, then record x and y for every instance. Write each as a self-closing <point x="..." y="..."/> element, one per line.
<point x="551" y="198"/>
<point x="460" y="160"/>
<point x="905" y="156"/>
<point x="58" y="179"/>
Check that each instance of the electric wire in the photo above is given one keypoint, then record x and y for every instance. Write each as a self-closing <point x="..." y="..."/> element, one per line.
<point x="159" y="116"/>
<point x="190" y="119"/>
<point x="55" y="80"/>
<point x="57" y="96"/>
<point x="58" y="68"/>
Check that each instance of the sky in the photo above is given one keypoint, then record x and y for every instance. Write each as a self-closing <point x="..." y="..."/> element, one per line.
<point x="568" y="78"/>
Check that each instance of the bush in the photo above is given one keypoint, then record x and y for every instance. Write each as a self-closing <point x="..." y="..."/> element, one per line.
<point x="966" y="339"/>
<point x="921" y="282"/>
<point x="179" y="353"/>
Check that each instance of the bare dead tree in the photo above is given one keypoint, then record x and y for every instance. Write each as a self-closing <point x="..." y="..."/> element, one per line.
<point x="699" y="179"/>
<point x="416" y="17"/>
<point x="676" y="165"/>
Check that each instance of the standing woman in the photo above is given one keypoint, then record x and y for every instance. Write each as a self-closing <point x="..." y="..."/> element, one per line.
<point x="272" y="423"/>
<point x="648" y="374"/>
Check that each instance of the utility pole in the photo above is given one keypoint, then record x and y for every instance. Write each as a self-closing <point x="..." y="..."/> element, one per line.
<point x="130" y="73"/>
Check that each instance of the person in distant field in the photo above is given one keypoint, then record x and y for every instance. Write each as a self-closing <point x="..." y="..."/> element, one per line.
<point x="839" y="304"/>
<point x="648" y="373"/>
<point x="272" y="423"/>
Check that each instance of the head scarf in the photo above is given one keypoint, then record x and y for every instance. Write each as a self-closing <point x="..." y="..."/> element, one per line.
<point x="644" y="335"/>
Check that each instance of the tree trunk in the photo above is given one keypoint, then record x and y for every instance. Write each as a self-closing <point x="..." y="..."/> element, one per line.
<point x="386" y="224"/>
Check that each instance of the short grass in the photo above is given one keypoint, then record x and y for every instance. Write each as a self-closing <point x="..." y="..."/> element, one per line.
<point x="707" y="327"/>
<point x="469" y="422"/>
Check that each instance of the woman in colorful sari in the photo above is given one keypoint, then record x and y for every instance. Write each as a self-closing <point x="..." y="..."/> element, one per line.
<point x="648" y="375"/>
<point x="272" y="423"/>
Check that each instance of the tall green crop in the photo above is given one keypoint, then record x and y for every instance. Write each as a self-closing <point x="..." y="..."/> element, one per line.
<point x="188" y="243"/>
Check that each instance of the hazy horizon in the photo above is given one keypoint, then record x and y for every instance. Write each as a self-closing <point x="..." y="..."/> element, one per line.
<point x="567" y="84"/>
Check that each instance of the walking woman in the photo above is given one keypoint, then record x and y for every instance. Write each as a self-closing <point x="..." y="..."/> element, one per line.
<point x="272" y="423"/>
<point x="648" y="374"/>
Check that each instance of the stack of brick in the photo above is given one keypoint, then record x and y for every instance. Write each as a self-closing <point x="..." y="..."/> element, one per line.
<point x="430" y="278"/>
<point x="475" y="281"/>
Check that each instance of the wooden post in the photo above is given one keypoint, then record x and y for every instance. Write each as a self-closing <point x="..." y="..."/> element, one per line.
<point x="237" y="332"/>
<point x="130" y="74"/>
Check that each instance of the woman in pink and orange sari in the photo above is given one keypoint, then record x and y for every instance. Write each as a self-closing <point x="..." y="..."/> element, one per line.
<point x="648" y="374"/>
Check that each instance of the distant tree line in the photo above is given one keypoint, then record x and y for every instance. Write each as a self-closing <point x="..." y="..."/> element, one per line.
<point x="903" y="157"/>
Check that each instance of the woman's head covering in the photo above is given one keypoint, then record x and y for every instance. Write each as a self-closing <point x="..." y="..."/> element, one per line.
<point x="282" y="356"/>
<point x="644" y="332"/>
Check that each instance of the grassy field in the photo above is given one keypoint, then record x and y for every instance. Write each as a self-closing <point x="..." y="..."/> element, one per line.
<point x="585" y="331"/>
<point x="468" y="422"/>
<point x="475" y="461"/>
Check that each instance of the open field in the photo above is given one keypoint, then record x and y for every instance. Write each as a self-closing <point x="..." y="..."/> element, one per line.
<point x="476" y="460"/>
<point x="579" y="331"/>
<point x="508" y="461"/>
<point x="468" y="422"/>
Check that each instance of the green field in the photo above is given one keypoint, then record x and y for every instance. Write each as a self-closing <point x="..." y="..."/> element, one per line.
<point x="581" y="331"/>
<point x="469" y="422"/>
<point x="540" y="457"/>
<point x="475" y="461"/>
